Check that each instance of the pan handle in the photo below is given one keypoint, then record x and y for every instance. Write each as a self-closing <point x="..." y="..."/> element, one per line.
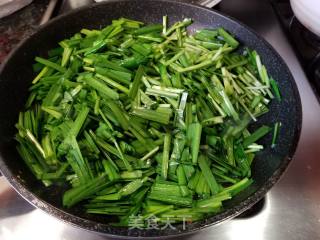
<point x="209" y="3"/>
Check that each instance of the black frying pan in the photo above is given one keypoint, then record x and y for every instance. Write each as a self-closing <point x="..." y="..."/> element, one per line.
<point x="16" y="75"/>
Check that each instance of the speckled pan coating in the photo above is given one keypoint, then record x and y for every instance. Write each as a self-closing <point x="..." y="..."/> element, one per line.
<point x="16" y="74"/>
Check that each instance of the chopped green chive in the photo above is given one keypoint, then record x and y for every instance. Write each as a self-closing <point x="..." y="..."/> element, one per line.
<point x="146" y="120"/>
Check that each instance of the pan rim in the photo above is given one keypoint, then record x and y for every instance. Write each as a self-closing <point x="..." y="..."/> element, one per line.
<point x="82" y="223"/>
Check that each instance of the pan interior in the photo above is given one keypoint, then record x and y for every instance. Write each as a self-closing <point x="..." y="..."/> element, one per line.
<point x="17" y="74"/>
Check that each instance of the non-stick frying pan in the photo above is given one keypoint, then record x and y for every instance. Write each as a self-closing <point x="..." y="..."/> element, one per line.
<point x="16" y="75"/>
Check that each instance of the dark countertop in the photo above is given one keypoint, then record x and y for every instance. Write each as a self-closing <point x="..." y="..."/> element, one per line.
<point x="20" y="25"/>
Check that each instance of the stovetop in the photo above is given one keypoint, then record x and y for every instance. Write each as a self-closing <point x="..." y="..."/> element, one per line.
<point x="291" y="210"/>
<point x="19" y="25"/>
<point x="306" y="44"/>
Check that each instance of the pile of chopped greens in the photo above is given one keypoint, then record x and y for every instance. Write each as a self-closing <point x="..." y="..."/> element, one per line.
<point x="146" y="119"/>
